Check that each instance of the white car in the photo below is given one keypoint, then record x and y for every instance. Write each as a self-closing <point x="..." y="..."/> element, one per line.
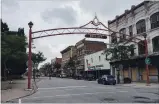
<point x="63" y="75"/>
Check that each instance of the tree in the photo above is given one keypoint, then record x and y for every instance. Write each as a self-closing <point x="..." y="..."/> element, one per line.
<point x="38" y="57"/>
<point x="120" y="52"/>
<point x="46" y="69"/>
<point x="4" y="27"/>
<point x="57" y="65"/>
<point x="13" y="51"/>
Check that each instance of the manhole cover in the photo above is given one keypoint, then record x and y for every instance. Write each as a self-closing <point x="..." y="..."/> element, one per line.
<point x="140" y="97"/>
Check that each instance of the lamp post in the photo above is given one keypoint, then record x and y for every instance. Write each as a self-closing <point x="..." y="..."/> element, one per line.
<point x="30" y="55"/>
<point x="146" y="55"/>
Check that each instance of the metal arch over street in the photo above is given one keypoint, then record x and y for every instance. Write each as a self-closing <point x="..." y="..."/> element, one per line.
<point x="79" y="30"/>
<point x="96" y="29"/>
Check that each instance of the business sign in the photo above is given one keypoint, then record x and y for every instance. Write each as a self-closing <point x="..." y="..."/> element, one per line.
<point x="97" y="67"/>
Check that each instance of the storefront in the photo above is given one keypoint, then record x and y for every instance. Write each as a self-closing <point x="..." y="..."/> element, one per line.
<point x="96" y="64"/>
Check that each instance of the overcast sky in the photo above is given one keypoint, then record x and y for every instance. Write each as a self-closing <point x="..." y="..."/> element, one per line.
<point x="47" y="14"/>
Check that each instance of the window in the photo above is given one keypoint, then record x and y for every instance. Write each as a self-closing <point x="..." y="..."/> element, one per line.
<point x="122" y="35"/>
<point x="92" y="60"/>
<point x="132" y="50"/>
<point x="141" y="47"/>
<point x="130" y="31"/>
<point x="99" y="58"/>
<point x="155" y="42"/>
<point x="141" y="26"/>
<point x="87" y="61"/>
<point x="113" y="38"/>
<point x="154" y="20"/>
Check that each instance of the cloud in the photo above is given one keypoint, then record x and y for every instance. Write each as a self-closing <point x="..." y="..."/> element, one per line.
<point x="63" y="14"/>
<point x="48" y="14"/>
<point x="107" y="8"/>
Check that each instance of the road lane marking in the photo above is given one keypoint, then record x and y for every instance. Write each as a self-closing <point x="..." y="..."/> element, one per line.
<point x="122" y="91"/>
<point x="61" y="87"/>
<point x="20" y="101"/>
<point x="67" y="95"/>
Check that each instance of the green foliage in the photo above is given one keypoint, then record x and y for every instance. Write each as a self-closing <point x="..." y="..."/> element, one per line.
<point x="13" y="51"/>
<point x="120" y="52"/>
<point x="57" y="65"/>
<point x="38" y="57"/>
<point x="46" y="68"/>
<point x="4" y="27"/>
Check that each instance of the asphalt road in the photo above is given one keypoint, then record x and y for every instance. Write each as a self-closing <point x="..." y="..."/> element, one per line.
<point x="63" y="90"/>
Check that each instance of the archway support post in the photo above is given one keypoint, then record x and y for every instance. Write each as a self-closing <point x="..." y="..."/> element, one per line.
<point x="146" y="55"/>
<point x="30" y="55"/>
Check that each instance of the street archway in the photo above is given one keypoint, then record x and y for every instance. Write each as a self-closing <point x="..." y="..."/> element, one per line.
<point x="97" y="30"/>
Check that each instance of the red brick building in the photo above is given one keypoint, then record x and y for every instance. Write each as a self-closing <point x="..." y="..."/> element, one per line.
<point x="55" y="60"/>
<point x="85" y="47"/>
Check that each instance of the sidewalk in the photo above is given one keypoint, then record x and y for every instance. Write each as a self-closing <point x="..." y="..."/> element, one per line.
<point x="139" y="85"/>
<point x="16" y="89"/>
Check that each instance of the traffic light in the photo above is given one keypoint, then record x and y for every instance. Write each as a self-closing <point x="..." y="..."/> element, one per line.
<point x="96" y="36"/>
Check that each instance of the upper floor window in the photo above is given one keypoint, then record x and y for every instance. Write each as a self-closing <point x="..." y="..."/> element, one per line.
<point x="122" y="34"/>
<point x="141" y="26"/>
<point x="99" y="58"/>
<point x="141" y="47"/>
<point x="92" y="60"/>
<point x="87" y="61"/>
<point x="131" y="31"/>
<point x="155" y="42"/>
<point x="113" y="38"/>
<point x="154" y="20"/>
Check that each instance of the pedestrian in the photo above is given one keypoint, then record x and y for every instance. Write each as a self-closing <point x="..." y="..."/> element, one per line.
<point x="10" y="76"/>
<point x="50" y="76"/>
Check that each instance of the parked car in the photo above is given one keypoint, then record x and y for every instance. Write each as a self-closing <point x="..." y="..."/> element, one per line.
<point x="78" y="76"/>
<point x="90" y="77"/>
<point x="63" y="75"/>
<point x="58" y="75"/>
<point x="106" y="80"/>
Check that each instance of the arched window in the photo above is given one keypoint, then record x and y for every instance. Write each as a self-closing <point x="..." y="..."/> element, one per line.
<point x="113" y="38"/>
<point x="141" y="26"/>
<point x="155" y="43"/>
<point x="141" y="47"/>
<point x="154" y="20"/>
<point x="122" y="35"/>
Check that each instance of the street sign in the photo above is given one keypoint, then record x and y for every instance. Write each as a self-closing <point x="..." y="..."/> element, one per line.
<point x="147" y="61"/>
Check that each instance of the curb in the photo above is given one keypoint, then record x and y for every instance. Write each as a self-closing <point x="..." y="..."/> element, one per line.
<point x="31" y="93"/>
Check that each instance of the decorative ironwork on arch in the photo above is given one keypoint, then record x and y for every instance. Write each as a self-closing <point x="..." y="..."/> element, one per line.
<point x="94" y="27"/>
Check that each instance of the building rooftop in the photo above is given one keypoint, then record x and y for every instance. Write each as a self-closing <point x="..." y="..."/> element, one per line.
<point x="133" y="7"/>
<point x="88" y="41"/>
<point x="66" y="49"/>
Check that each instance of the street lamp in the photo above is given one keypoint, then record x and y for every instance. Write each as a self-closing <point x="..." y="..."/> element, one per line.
<point x="146" y="55"/>
<point x="30" y="24"/>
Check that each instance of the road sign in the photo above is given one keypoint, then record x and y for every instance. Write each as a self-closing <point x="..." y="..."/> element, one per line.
<point x="147" y="61"/>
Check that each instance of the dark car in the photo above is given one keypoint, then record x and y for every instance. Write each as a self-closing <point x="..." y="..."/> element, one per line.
<point x="78" y="76"/>
<point x="90" y="77"/>
<point x="106" y="80"/>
